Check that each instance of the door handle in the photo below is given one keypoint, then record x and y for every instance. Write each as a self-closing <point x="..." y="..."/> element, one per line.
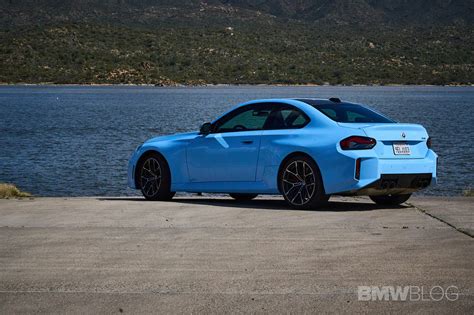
<point x="247" y="141"/>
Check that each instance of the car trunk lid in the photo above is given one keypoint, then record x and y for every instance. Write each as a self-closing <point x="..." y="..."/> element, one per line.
<point x="395" y="141"/>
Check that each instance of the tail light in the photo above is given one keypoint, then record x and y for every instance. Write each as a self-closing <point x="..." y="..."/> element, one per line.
<point x="357" y="143"/>
<point x="428" y="143"/>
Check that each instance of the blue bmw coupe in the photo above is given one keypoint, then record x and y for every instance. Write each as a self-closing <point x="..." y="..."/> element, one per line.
<point x="303" y="149"/>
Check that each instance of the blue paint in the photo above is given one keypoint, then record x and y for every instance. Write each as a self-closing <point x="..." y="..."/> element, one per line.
<point x="249" y="160"/>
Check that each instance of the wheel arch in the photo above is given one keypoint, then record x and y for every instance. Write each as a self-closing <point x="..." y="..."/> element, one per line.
<point x="142" y="158"/>
<point x="290" y="156"/>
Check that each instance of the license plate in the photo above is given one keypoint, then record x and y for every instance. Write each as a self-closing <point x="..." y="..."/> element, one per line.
<point x="401" y="149"/>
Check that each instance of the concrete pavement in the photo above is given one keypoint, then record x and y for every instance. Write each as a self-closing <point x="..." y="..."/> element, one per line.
<point x="214" y="255"/>
<point x="458" y="212"/>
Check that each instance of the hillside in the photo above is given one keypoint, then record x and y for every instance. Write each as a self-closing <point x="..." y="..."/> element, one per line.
<point x="359" y="12"/>
<point x="237" y="41"/>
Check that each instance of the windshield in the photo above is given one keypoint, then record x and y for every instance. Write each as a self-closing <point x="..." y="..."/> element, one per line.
<point x="349" y="113"/>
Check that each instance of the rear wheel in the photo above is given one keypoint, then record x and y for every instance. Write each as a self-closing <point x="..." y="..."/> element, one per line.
<point x="300" y="183"/>
<point x="243" y="197"/>
<point x="155" y="178"/>
<point x="390" y="200"/>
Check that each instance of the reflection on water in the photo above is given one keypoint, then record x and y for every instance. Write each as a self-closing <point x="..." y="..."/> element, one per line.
<point x="75" y="141"/>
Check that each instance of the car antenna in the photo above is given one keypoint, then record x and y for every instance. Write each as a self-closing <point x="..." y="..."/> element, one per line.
<point x="335" y="99"/>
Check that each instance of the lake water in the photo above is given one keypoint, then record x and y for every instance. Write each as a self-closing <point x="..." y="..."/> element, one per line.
<point x="76" y="141"/>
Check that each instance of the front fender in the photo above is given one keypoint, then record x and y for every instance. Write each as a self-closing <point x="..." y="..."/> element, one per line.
<point x="172" y="150"/>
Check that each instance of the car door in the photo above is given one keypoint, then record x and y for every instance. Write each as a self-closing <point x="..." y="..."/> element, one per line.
<point x="230" y="152"/>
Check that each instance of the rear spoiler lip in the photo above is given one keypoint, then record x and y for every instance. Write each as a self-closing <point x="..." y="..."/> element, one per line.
<point x="406" y="126"/>
<point x="356" y="125"/>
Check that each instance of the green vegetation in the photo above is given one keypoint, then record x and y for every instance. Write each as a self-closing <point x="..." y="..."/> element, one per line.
<point x="253" y="53"/>
<point x="468" y="192"/>
<point x="11" y="191"/>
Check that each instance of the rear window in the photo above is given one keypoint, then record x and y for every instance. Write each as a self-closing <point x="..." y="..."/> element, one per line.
<point x="349" y="113"/>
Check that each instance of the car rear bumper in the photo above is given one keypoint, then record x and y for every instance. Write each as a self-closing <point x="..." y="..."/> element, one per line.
<point x="383" y="176"/>
<point x="397" y="184"/>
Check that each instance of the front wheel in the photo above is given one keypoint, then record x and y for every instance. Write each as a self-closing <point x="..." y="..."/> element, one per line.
<point x="301" y="184"/>
<point x="390" y="200"/>
<point x="155" y="178"/>
<point x="243" y="197"/>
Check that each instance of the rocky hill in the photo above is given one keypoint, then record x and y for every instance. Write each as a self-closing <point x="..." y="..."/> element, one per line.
<point x="237" y="41"/>
<point x="361" y="12"/>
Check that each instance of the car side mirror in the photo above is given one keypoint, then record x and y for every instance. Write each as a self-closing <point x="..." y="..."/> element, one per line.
<point x="206" y="129"/>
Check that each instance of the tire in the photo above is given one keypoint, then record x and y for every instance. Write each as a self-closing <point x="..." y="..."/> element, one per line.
<point x="243" y="197"/>
<point x="300" y="183"/>
<point x="390" y="200"/>
<point x="154" y="178"/>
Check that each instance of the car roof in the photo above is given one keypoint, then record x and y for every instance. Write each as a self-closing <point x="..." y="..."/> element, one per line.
<point x="306" y="100"/>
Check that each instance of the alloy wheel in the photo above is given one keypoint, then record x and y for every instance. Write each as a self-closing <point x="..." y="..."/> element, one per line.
<point x="150" y="177"/>
<point x="298" y="183"/>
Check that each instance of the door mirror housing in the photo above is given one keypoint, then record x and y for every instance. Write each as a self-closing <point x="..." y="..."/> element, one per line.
<point x="206" y="128"/>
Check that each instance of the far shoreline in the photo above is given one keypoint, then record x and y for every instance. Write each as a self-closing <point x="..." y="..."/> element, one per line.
<point x="47" y="84"/>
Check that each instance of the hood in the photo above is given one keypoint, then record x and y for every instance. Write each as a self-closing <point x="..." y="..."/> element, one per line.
<point x="178" y="136"/>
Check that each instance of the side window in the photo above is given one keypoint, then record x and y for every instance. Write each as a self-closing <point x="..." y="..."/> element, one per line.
<point x="244" y="119"/>
<point x="287" y="117"/>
